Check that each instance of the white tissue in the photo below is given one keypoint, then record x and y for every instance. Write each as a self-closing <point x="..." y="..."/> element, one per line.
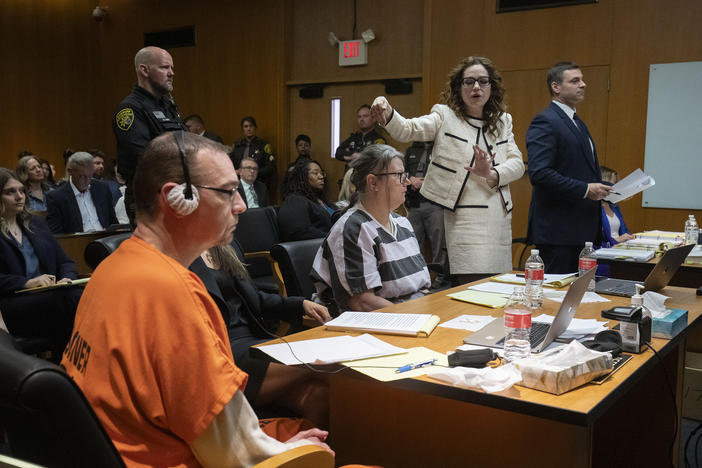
<point x="487" y="379"/>
<point x="655" y="303"/>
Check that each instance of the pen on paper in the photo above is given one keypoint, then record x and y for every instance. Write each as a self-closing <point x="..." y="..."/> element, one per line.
<point x="614" y="193"/>
<point x="410" y="367"/>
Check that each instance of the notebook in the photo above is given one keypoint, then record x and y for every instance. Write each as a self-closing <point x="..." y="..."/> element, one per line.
<point x="657" y="279"/>
<point x="385" y="322"/>
<point x="493" y="334"/>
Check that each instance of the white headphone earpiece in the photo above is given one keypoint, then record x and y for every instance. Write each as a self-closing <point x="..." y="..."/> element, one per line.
<point x="180" y="204"/>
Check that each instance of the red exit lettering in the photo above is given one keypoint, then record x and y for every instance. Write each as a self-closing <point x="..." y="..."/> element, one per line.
<point x="351" y="49"/>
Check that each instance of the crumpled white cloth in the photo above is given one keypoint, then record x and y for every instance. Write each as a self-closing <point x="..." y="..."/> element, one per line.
<point x="488" y="379"/>
<point x="180" y="204"/>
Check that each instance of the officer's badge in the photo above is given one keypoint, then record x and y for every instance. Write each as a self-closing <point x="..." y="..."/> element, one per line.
<point x="379" y="141"/>
<point x="268" y="148"/>
<point x="124" y="119"/>
<point x="271" y="158"/>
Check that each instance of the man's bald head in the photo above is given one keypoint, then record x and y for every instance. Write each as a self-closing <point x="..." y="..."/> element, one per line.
<point x="154" y="70"/>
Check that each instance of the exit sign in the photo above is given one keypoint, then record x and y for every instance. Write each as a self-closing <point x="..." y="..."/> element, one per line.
<point x="352" y="53"/>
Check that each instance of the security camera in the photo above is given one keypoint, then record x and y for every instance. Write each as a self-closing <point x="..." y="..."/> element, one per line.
<point x="99" y="13"/>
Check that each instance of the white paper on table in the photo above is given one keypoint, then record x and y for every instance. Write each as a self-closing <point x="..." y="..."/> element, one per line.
<point x="330" y="350"/>
<point x="637" y="255"/>
<point x="630" y="185"/>
<point x="548" y="277"/>
<point x="469" y="347"/>
<point x="557" y="296"/>
<point x="505" y="289"/>
<point x="468" y="322"/>
<point x="577" y="328"/>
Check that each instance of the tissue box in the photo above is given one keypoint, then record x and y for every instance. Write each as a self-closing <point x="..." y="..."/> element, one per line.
<point x="563" y="369"/>
<point x="670" y="325"/>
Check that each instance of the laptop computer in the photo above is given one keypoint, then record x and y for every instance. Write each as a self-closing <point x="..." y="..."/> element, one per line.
<point x="657" y="279"/>
<point x="542" y="334"/>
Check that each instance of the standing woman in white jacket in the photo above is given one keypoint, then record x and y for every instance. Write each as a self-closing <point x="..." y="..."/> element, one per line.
<point x="474" y="159"/>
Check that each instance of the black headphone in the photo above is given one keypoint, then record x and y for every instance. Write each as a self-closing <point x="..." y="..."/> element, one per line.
<point x="184" y="198"/>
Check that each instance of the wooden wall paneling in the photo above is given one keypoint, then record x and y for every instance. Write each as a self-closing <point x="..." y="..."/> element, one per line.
<point x="396" y="50"/>
<point x="49" y="79"/>
<point x="456" y="32"/>
<point x="540" y="38"/>
<point x="643" y="35"/>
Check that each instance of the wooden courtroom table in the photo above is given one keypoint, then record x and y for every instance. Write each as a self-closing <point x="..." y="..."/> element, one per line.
<point x="687" y="276"/>
<point x="628" y="420"/>
<point x="74" y="246"/>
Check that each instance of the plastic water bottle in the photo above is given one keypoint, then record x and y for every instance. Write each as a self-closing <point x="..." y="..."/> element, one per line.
<point x="692" y="230"/>
<point x="517" y="326"/>
<point x="534" y="277"/>
<point x="587" y="261"/>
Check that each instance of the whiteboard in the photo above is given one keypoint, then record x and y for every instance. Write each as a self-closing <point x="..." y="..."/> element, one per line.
<point x="674" y="136"/>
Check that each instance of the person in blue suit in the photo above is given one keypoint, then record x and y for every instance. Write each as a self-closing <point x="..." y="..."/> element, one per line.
<point x="565" y="175"/>
<point x="614" y="229"/>
<point x="31" y="257"/>
<point x="82" y="204"/>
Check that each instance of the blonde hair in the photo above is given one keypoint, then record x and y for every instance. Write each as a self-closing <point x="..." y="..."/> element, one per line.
<point x="347" y="187"/>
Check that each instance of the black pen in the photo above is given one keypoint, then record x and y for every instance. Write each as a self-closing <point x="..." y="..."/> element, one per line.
<point x="615" y="193"/>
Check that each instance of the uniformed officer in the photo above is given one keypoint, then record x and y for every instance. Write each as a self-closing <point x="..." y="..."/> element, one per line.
<point x="145" y="114"/>
<point x="351" y="148"/>
<point x="255" y="148"/>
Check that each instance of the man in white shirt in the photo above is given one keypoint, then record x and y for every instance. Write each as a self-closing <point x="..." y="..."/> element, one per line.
<point x="253" y="192"/>
<point x="82" y="204"/>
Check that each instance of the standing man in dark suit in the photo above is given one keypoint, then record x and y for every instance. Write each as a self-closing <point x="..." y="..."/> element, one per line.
<point x="197" y="126"/>
<point x="253" y="192"/>
<point x="565" y="175"/>
<point x="82" y="204"/>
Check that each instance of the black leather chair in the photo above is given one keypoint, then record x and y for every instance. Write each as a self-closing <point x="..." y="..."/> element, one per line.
<point x="295" y="261"/>
<point x="46" y="417"/>
<point x="97" y="250"/>
<point x="257" y="232"/>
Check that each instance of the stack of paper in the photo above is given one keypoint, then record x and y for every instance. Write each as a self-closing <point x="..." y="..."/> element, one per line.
<point x="551" y="280"/>
<point x="330" y="350"/>
<point x="695" y="257"/>
<point x="578" y="328"/>
<point x="636" y="255"/>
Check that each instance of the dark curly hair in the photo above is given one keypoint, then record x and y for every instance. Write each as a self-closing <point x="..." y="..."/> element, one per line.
<point x="494" y="107"/>
<point x="298" y="182"/>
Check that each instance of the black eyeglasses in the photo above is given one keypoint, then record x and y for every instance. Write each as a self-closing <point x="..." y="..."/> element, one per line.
<point x="231" y="192"/>
<point x="403" y="176"/>
<point x="483" y="82"/>
<point x="248" y="168"/>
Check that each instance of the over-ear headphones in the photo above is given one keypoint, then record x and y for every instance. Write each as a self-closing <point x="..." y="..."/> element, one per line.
<point x="184" y="198"/>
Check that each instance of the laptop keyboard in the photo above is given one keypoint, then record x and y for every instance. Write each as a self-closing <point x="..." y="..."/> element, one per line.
<point x="536" y="335"/>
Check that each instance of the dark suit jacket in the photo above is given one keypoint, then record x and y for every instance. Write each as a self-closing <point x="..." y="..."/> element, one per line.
<point x="255" y="304"/>
<point x="300" y="218"/>
<point x="52" y="259"/>
<point x="560" y="167"/>
<point x="261" y="193"/>
<point x="213" y="136"/>
<point x="63" y="214"/>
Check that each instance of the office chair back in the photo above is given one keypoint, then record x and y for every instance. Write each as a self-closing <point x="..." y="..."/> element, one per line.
<point x="96" y="251"/>
<point x="295" y="261"/>
<point x="257" y="232"/>
<point x="46" y="417"/>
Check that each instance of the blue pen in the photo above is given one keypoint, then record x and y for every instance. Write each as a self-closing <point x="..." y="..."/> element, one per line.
<point x="410" y="367"/>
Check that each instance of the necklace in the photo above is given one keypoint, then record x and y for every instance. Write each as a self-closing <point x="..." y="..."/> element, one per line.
<point x="15" y="231"/>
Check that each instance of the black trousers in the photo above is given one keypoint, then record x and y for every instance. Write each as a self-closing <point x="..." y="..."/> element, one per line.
<point x="46" y="314"/>
<point x="560" y="258"/>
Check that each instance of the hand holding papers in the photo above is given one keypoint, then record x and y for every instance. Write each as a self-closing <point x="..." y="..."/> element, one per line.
<point x="630" y="185"/>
